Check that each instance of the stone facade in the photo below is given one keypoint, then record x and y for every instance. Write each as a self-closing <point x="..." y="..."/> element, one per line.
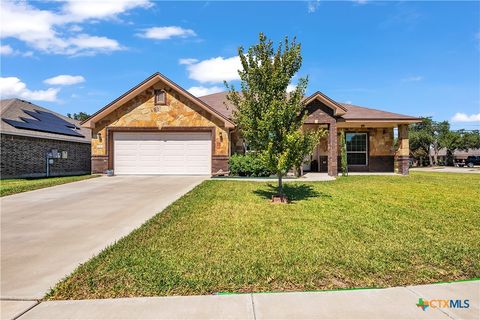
<point x="141" y="112"/>
<point x="403" y="152"/>
<point x="381" y="150"/>
<point x="24" y="157"/>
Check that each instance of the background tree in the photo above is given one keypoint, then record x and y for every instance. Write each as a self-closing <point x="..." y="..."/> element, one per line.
<point x="81" y="116"/>
<point x="421" y="136"/>
<point x="439" y="129"/>
<point x="269" y="118"/>
<point x="451" y="141"/>
<point x="470" y="139"/>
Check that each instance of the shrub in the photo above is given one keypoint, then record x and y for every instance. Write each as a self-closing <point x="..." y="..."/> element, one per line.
<point x="248" y="165"/>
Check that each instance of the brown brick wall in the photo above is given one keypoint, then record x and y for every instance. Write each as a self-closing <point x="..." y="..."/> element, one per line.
<point x="99" y="164"/>
<point x="25" y="157"/>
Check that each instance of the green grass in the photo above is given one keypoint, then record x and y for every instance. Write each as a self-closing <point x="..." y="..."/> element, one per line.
<point x="12" y="186"/>
<point x="359" y="231"/>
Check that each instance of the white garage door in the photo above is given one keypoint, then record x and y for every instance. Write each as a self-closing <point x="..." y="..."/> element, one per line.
<point x="162" y="153"/>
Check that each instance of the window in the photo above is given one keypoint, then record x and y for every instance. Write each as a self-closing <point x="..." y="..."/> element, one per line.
<point x="160" y="97"/>
<point x="357" y="150"/>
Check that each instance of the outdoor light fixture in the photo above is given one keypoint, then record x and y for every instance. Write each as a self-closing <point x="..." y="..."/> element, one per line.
<point x="99" y="136"/>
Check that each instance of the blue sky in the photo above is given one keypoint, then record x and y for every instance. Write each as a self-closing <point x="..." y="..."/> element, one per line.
<point x="416" y="58"/>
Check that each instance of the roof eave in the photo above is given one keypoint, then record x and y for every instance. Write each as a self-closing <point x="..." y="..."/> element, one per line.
<point x="398" y="120"/>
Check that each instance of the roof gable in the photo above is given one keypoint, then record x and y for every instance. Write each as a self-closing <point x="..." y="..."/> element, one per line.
<point x="133" y="92"/>
<point x="337" y="108"/>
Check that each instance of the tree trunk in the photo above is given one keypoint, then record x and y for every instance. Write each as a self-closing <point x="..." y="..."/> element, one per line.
<point x="280" y="184"/>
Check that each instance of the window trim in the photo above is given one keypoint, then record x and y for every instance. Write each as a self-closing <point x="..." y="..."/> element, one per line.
<point x="160" y="103"/>
<point x="366" y="149"/>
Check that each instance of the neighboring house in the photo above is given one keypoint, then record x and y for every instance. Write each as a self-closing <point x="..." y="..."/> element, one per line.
<point x="30" y="134"/>
<point x="458" y="155"/>
<point x="157" y="127"/>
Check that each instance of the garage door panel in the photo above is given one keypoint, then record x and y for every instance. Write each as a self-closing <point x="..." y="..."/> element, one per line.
<point x="162" y="153"/>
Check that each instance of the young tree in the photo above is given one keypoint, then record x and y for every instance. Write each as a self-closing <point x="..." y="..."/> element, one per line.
<point x="269" y="118"/>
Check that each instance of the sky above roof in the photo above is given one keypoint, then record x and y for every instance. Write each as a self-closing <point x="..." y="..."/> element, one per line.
<point x="414" y="58"/>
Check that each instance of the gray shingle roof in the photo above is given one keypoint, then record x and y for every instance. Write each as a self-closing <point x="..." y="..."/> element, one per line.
<point x="217" y="100"/>
<point x="23" y="118"/>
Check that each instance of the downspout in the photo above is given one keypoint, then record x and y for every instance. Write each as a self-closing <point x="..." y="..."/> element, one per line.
<point x="48" y="164"/>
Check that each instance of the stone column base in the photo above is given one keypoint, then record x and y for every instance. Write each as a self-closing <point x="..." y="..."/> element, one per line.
<point x="403" y="165"/>
<point x="220" y="165"/>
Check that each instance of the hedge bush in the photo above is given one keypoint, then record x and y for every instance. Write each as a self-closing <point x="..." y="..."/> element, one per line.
<point x="248" y="165"/>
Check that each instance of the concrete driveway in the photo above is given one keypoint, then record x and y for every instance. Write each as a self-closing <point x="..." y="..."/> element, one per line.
<point x="47" y="233"/>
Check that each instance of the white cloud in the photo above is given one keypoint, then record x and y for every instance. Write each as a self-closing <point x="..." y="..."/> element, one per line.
<point x="360" y="1"/>
<point x="213" y="70"/>
<point x="53" y="32"/>
<point x="463" y="117"/>
<point x="312" y="6"/>
<point x="6" y="50"/>
<point x="412" y="79"/>
<point x="90" y="44"/>
<point x="203" y="91"/>
<point x="291" y="87"/>
<point x="64" y="80"/>
<point x="13" y="87"/>
<point x="187" y="61"/>
<point x="164" y="33"/>
<point x="75" y="10"/>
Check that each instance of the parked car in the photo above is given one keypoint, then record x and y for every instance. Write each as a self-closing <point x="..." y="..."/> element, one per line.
<point x="472" y="161"/>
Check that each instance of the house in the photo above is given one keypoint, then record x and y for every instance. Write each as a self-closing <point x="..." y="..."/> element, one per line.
<point x="37" y="142"/>
<point x="157" y="127"/>
<point x="458" y="155"/>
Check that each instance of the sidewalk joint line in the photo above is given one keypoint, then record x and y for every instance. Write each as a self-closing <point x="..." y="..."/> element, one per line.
<point x="253" y="307"/>
<point x="418" y="294"/>
<point x="25" y="311"/>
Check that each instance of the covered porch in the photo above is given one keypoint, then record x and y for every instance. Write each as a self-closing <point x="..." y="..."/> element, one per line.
<point x="370" y="148"/>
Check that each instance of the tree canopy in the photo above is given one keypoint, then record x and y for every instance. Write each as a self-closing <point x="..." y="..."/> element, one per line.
<point x="81" y="116"/>
<point x="435" y="135"/>
<point x="270" y="118"/>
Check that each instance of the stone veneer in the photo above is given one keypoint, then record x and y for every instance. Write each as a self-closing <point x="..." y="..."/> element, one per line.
<point x="381" y="150"/>
<point x="141" y="112"/>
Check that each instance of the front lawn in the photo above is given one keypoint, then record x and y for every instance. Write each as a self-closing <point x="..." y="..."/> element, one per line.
<point x="12" y="186"/>
<point x="360" y="231"/>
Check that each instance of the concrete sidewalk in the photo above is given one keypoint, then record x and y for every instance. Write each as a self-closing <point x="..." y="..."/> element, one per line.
<point x="475" y="170"/>
<point x="390" y="303"/>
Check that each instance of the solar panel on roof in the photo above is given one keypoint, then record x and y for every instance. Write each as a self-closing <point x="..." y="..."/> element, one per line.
<point x="45" y="122"/>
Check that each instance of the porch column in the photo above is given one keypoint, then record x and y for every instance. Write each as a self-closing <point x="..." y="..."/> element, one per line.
<point x="332" y="149"/>
<point x="403" y="152"/>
